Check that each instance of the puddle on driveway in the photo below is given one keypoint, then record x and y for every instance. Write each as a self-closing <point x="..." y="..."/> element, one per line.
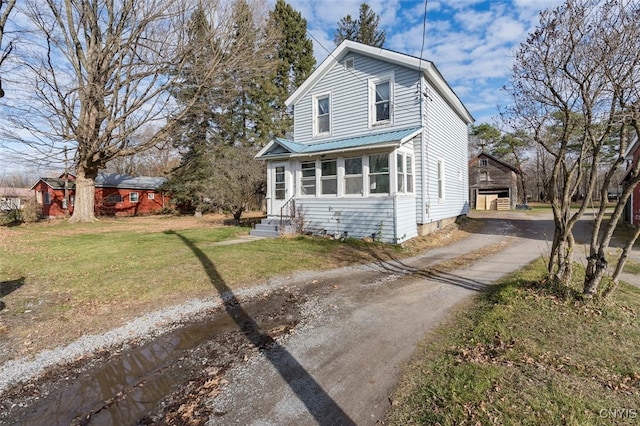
<point x="129" y="387"/>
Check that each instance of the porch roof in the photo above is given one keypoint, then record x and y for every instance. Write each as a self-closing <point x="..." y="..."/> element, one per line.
<point x="284" y="148"/>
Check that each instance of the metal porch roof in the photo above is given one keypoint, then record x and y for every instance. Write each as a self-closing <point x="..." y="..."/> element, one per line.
<point x="295" y="149"/>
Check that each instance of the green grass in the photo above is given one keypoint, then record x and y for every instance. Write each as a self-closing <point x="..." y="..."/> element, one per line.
<point x="121" y="264"/>
<point x="60" y="281"/>
<point x="632" y="267"/>
<point x="526" y="354"/>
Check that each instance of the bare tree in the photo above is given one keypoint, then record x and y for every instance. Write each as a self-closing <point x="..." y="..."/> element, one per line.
<point x="575" y="89"/>
<point x="158" y="160"/>
<point x="105" y="69"/>
<point x="6" y="6"/>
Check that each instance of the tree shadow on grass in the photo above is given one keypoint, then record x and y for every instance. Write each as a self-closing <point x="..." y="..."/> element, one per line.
<point x="7" y="287"/>
<point x="319" y="404"/>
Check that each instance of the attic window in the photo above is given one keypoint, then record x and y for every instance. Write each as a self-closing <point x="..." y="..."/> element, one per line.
<point x="483" y="162"/>
<point x="349" y="63"/>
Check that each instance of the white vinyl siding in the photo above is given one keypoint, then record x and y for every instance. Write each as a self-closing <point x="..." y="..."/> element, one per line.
<point x="362" y="217"/>
<point x="350" y="105"/>
<point x="440" y="180"/>
<point x="445" y="137"/>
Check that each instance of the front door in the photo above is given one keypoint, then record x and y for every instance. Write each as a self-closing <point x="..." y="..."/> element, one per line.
<point x="279" y="187"/>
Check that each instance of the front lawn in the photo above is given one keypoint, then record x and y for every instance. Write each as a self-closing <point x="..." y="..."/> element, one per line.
<point x="521" y="354"/>
<point x="60" y="281"/>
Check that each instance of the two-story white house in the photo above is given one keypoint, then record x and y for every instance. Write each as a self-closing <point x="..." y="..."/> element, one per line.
<point x="379" y="149"/>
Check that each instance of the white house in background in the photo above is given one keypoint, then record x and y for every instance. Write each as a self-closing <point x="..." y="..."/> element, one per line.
<point x="379" y="149"/>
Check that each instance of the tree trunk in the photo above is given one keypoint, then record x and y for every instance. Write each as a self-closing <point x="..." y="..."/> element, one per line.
<point x="84" y="206"/>
<point x="596" y="267"/>
<point x="620" y="266"/>
<point x="236" y="216"/>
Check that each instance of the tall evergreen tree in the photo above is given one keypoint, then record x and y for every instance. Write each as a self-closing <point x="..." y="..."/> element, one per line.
<point x="368" y="32"/>
<point x="364" y="29"/>
<point x="347" y="30"/>
<point x="294" y="61"/>
<point x="187" y="182"/>
<point x="222" y="120"/>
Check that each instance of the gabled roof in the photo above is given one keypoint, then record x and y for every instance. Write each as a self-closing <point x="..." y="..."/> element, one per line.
<point x="428" y="69"/>
<point x="285" y="148"/>
<point x="55" y="183"/>
<point x="110" y="181"/>
<point x="497" y="160"/>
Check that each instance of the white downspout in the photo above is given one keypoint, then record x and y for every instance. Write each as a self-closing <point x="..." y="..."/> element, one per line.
<point x="423" y="160"/>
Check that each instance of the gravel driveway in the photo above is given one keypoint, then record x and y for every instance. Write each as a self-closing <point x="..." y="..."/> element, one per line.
<point x="341" y="365"/>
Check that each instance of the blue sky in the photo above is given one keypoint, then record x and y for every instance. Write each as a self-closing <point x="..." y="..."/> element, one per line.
<point x="471" y="42"/>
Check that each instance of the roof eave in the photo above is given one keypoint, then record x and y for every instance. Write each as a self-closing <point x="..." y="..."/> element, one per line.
<point x="394" y="144"/>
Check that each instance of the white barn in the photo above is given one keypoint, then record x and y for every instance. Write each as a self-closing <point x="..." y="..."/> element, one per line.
<point x="379" y="149"/>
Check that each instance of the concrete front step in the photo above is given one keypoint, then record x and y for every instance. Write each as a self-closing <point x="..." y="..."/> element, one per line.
<point x="268" y="227"/>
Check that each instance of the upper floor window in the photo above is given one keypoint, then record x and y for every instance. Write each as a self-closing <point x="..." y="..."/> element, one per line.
<point x="483" y="162"/>
<point x="379" y="174"/>
<point x="381" y="100"/>
<point x="322" y="114"/>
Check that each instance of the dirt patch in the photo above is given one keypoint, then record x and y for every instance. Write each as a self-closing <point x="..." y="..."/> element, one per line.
<point x="173" y="374"/>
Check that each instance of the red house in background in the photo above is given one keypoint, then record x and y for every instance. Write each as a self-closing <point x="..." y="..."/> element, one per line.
<point x="115" y="195"/>
<point x="632" y="208"/>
